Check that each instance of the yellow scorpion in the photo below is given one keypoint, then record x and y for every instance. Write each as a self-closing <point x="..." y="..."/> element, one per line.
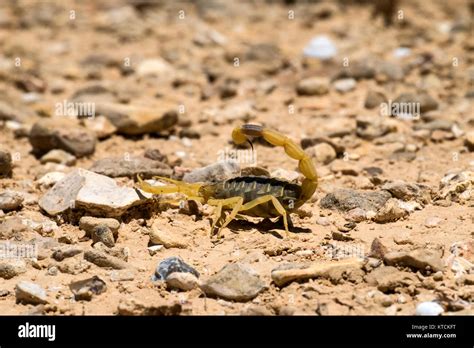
<point x="256" y="196"/>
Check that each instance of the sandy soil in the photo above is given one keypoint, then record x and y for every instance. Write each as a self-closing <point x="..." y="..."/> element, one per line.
<point x="53" y="47"/>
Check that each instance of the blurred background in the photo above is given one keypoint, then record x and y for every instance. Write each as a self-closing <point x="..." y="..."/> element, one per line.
<point x="121" y="88"/>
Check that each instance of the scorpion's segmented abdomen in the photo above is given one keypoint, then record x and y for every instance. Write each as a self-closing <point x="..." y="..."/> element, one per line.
<point x="252" y="187"/>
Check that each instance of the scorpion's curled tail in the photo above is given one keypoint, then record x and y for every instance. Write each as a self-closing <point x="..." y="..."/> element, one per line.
<point x="305" y="165"/>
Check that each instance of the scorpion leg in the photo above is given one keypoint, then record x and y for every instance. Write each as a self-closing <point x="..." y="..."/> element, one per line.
<point x="234" y="202"/>
<point x="217" y="216"/>
<point x="276" y="203"/>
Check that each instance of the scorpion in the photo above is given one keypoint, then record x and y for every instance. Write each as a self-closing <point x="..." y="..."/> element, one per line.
<point x="256" y="196"/>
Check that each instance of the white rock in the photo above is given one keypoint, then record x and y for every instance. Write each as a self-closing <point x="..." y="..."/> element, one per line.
<point x="187" y="142"/>
<point x="13" y="125"/>
<point x="345" y="85"/>
<point x="410" y="206"/>
<point x="154" y="67"/>
<point x="152" y="250"/>
<point x="458" y="132"/>
<point x="10" y="200"/>
<point x="95" y="193"/>
<point x="49" y="179"/>
<point x="43" y="226"/>
<point x="444" y="27"/>
<point x="102" y="194"/>
<point x="306" y="252"/>
<point x="320" y="47"/>
<point x="401" y="52"/>
<point x="432" y="221"/>
<point x="59" y="156"/>
<point x="28" y="292"/>
<point x="429" y="308"/>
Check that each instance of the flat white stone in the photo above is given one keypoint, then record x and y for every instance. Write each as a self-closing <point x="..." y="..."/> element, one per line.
<point x="92" y="192"/>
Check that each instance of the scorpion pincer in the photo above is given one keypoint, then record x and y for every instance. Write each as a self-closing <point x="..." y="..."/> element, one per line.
<point x="256" y="196"/>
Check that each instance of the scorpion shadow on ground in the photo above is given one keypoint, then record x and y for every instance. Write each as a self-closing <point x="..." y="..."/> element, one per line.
<point x="266" y="226"/>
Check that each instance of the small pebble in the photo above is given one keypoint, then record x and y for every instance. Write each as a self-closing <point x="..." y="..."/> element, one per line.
<point x="30" y="293"/>
<point x="84" y="290"/>
<point x="438" y="276"/>
<point x="432" y="221"/>
<point x="321" y="47"/>
<point x="53" y="271"/>
<point x="313" y="86"/>
<point x="10" y="200"/>
<point x="429" y="308"/>
<point x="152" y="250"/>
<point x="5" y="164"/>
<point x="59" y="156"/>
<point x="104" y="234"/>
<point x="345" y="85"/>
<point x="171" y="265"/>
<point x="182" y="280"/>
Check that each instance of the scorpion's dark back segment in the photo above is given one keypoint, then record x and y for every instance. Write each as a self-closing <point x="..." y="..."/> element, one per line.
<point x="252" y="187"/>
<point x="252" y="129"/>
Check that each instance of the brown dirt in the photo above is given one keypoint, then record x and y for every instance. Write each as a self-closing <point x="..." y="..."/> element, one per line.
<point x="356" y="35"/>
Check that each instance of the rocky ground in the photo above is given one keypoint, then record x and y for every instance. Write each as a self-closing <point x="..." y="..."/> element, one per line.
<point x="94" y="93"/>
